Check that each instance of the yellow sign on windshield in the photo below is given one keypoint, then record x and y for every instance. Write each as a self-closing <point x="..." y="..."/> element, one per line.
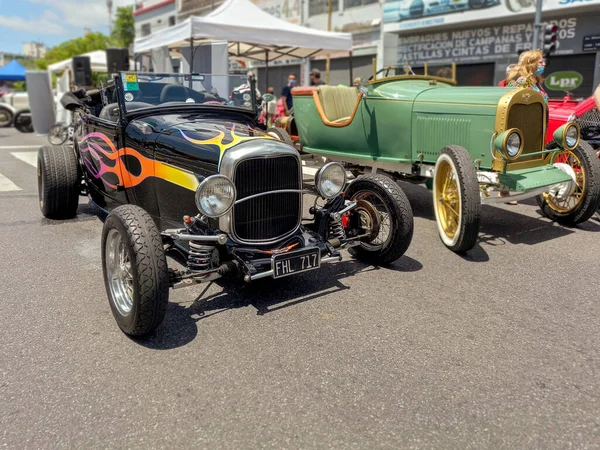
<point x="131" y="78"/>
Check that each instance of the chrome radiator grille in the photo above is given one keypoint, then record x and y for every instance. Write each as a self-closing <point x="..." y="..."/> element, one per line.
<point x="530" y="120"/>
<point x="270" y="216"/>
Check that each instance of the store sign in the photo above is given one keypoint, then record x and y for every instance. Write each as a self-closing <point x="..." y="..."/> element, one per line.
<point x="591" y="43"/>
<point x="289" y="10"/>
<point x="564" y="81"/>
<point x="412" y="14"/>
<point x="367" y="39"/>
<point x="480" y="44"/>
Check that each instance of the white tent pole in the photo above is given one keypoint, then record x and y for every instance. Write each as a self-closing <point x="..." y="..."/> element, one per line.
<point x="328" y="29"/>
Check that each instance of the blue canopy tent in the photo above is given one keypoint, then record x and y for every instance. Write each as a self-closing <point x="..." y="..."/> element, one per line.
<point x="13" y="71"/>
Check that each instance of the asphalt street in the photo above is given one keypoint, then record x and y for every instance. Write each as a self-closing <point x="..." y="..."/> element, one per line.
<point x="498" y="349"/>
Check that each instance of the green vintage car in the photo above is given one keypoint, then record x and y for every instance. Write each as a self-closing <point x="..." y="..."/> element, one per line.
<point x="469" y="145"/>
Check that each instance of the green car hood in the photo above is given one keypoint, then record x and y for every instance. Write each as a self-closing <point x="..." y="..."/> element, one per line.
<point x="460" y="100"/>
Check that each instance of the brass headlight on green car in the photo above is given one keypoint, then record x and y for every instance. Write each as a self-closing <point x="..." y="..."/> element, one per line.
<point x="568" y="135"/>
<point x="510" y="144"/>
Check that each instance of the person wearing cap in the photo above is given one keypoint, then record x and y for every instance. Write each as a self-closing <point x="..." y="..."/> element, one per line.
<point x="315" y="78"/>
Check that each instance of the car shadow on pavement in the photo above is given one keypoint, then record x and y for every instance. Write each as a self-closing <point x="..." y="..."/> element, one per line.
<point x="180" y="326"/>
<point x="499" y="225"/>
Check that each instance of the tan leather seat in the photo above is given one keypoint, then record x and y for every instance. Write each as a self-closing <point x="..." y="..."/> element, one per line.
<point x="338" y="102"/>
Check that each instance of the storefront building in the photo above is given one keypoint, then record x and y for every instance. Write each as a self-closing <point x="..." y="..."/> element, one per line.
<point x="484" y="36"/>
<point x="362" y="18"/>
<point x="151" y="16"/>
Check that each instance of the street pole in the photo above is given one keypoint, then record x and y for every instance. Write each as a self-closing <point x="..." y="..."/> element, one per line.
<point x="537" y="24"/>
<point x="328" y="29"/>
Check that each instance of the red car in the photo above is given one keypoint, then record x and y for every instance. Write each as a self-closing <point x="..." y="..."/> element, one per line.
<point x="583" y="112"/>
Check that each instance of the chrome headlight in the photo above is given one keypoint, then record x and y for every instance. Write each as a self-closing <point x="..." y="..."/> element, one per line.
<point x="330" y="180"/>
<point x="215" y="196"/>
<point x="568" y="135"/>
<point x="510" y="144"/>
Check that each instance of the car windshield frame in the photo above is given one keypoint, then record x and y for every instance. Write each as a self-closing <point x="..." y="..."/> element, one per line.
<point x="142" y="90"/>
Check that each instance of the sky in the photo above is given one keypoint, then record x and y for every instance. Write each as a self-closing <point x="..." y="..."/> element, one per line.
<point x="50" y="21"/>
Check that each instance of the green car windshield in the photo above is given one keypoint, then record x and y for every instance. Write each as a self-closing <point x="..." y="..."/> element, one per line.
<point x="142" y="90"/>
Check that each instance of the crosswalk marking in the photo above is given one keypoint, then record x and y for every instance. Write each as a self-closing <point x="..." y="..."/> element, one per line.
<point x="7" y="185"/>
<point x="14" y="147"/>
<point x="28" y="157"/>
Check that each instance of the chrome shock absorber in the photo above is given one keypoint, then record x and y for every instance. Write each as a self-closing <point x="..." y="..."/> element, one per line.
<point x="336" y="227"/>
<point x="200" y="257"/>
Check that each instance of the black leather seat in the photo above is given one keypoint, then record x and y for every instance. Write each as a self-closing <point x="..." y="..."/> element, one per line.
<point x="174" y="93"/>
<point x="110" y="112"/>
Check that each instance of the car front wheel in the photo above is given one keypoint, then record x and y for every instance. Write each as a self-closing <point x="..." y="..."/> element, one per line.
<point x="383" y="208"/>
<point x="135" y="270"/>
<point x="576" y="201"/>
<point x="456" y="199"/>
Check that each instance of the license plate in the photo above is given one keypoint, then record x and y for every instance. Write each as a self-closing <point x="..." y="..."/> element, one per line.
<point x="295" y="262"/>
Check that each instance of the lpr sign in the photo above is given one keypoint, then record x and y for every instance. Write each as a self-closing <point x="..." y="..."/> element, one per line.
<point x="564" y="81"/>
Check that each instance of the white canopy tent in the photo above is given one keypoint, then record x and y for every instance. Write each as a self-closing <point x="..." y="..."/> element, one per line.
<point x="251" y="33"/>
<point x="98" y="63"/>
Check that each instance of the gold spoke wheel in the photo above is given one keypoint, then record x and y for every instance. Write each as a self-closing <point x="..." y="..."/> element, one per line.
<point x="448" y="198"/>
<point x="456" y="199"/>
<point x="569" y="203"/>
<point x="582" y="199"/>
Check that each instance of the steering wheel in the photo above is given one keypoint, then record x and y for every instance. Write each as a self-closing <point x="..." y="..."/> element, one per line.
<point x="386" y="69"/>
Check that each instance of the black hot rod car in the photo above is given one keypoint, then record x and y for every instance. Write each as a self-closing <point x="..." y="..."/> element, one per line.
<point x="181" y="170"/>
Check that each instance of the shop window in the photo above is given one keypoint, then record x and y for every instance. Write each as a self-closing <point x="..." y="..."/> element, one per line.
<point x="321" y="6"/>
<point x="171" y="21"/>
<point x="355" y="3"/>
<point x="146" y="29"/>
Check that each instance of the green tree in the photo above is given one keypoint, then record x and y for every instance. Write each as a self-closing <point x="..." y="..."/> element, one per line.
<point x="74" y="47"/>
<point x="123" y="32"/>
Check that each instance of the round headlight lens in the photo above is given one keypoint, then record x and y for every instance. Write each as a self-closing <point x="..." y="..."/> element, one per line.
<point x="330" y="180"/>
<point x="215" y="196"/>
<point x="571" y="136"/>
<point x="513" y="144"/>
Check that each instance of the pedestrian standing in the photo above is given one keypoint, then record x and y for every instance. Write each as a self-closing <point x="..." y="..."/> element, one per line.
<point x="315" y="78"/>
<point x="286" y="94"/>
<point x="528" y="72"/>
<point x="509" y="70"/>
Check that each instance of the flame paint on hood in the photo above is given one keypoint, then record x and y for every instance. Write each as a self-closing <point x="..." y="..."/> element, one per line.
<point x="101" y="157"/>
<point x="222" y="142"/>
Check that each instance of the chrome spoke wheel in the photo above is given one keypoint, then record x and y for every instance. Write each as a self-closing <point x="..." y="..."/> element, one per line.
<point x="119" y="272"/>
<point x="382" y="222"/>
